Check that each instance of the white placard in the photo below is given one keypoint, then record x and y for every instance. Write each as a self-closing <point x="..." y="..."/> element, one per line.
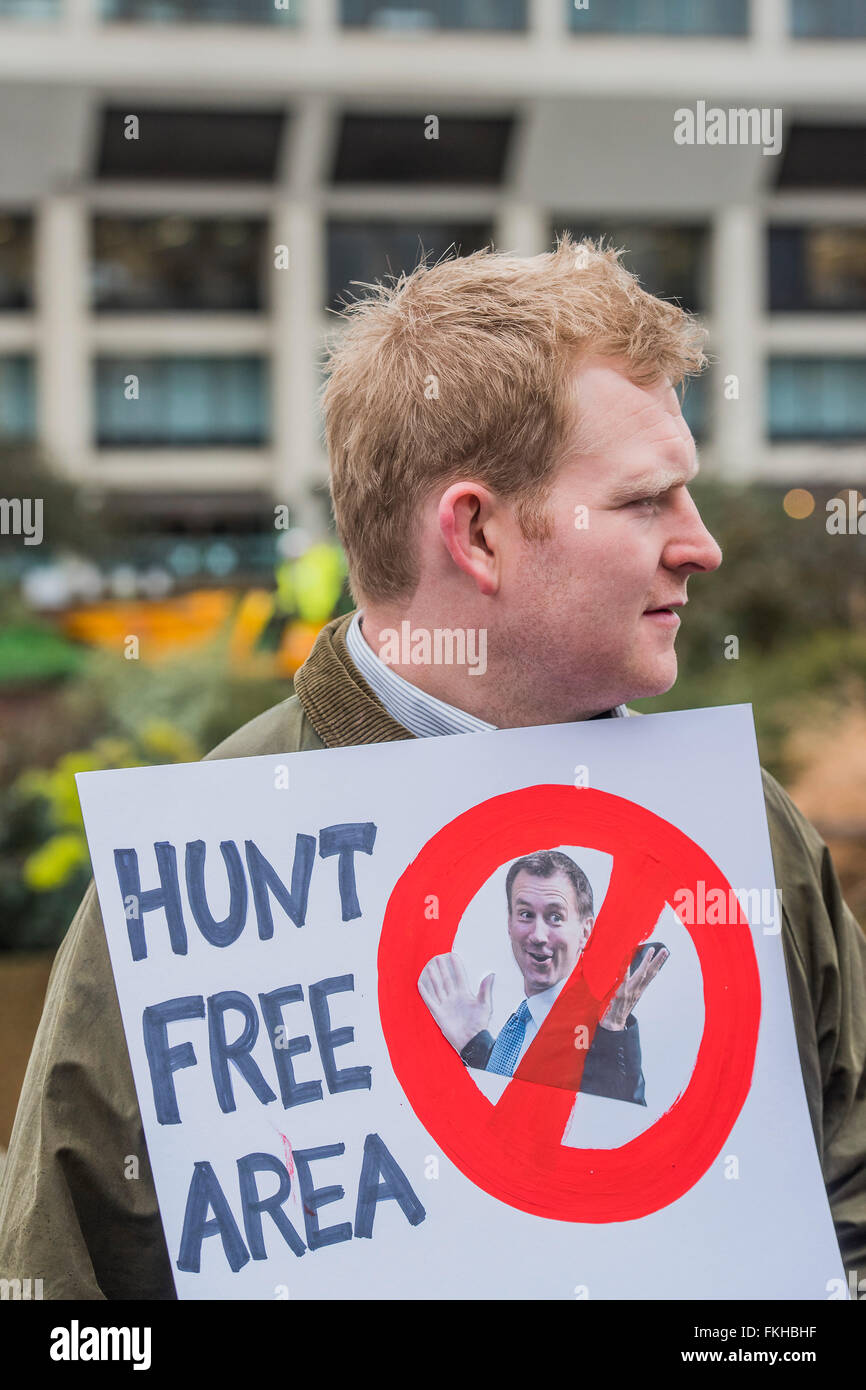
<point x="312" y="1132"/>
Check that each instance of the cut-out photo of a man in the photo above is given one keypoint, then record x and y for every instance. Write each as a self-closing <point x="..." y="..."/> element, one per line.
<point x="550" y="918"/>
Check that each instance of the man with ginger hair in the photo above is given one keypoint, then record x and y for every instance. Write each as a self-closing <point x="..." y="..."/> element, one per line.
<point x="556" y="397"/>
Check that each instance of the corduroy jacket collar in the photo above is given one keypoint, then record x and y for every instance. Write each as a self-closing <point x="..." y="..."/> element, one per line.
<point x="338" y="702"/>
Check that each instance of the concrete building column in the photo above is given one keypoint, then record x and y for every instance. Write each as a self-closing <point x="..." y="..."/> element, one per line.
<point x="546" y="19"/>
<point x="769" y="21"/>
<point x="738" y="295"/>
<point x="320" y="17"/>
<point x="63" y="367"/>
<point x="296" y="317"/>
<point x="522" y="229"/>
<point x="80" y="14"/>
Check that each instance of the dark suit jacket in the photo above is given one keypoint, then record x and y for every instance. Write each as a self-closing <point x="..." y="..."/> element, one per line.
<point x="612" y="1067"/>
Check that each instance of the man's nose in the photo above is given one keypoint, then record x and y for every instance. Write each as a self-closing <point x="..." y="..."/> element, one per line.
<point x="539" y="930"/>
<point x="691" y="546"/>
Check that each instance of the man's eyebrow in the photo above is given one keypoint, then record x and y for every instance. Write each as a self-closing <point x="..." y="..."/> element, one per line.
<point x="652" y="483"/>
<point x="552" y="902"/>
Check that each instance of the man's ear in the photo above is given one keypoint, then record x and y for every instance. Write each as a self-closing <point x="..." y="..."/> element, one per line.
<point x="465" y="524"/>
<point x="586" y="927"/>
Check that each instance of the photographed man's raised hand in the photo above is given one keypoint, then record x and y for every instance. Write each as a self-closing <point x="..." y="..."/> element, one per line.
<point x="445" y="990"/>
<point x="631" y="989"/>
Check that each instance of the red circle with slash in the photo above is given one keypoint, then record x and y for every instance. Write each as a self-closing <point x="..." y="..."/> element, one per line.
<point x="514" y="1149"/>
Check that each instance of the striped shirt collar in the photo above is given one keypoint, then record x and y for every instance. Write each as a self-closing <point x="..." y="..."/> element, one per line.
<point x="422" y="714"/>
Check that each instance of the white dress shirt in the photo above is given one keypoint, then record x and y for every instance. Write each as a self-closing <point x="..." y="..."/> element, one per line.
<point x="539" y="1007"/>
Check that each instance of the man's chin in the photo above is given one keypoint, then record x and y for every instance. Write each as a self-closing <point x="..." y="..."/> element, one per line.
<point x="655" y="680"/>
<point x="536" y="981"/>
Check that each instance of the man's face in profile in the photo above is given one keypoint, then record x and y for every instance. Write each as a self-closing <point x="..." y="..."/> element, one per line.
<point x="595" y="604"/>
<point x="546" y="929"/>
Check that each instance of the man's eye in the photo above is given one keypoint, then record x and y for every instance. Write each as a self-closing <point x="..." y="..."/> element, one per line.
<point x="643" y="502"/>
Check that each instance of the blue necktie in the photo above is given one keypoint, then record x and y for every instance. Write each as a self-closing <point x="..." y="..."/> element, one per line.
<point x="506" y="1049"/>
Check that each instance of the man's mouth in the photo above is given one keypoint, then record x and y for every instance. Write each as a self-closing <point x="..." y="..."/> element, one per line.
<point x="666" y="615"/>
<point x="539" y="958"/>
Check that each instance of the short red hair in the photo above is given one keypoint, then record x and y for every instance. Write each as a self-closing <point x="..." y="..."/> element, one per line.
<point x="462" y="369"/>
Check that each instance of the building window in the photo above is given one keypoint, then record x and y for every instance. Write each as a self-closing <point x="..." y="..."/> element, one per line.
<point x="682" y="17"/>
<point x="201" y="11"/>
<point x="670" y="261"/>
<point x="184" y="264"/>
<point x="29" y="9"/>
<point x="192" y="537"/>
<point x="16" y="262"/>
<point x="182" y="401"/>
<point x="373" y="250"/>
<point x="817" y="269"/>
<point x="820" y="398"/>
<point x="17" y="399"/>
<point x="241" y="146"/>
<point x="434" y="14"/>
<point x="828" y="19"/>
<point x="694" y="402"/>
<point x="823" y="156"/>
<point x="395" y="149"/>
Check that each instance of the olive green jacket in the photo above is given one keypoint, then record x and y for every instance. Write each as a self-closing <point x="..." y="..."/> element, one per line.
<point x="71" y="1214"/>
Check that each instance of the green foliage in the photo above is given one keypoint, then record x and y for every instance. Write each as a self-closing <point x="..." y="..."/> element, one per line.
<point x="31" y="653"/>
<point x="31" y="920"/>
<point x="781" y="686"/>
<point x="127" y="714"/>
<point x="781" y="580"/>
<point x="199" y="693"/>
<point x="312" y="585"/>
<point x="44" y="860"/>
<point x="793" y="597"/>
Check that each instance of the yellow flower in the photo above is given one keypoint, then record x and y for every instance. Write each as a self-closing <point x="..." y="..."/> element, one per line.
<point x="63" y="793"/>
<point x="35" y="782"/>
<point x="311" y="585"/>
<point x="318" y="576"/>
<point x="168" y="744"/>
<point x="54" y="863"/>
<point x="112" y="752"/>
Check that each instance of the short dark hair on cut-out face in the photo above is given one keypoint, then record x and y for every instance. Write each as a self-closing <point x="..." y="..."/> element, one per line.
<point x="544" y="864"/>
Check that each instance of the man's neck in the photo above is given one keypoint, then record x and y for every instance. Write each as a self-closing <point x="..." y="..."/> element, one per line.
<point x="457" y="666"/>
<point x="551" y="991"/>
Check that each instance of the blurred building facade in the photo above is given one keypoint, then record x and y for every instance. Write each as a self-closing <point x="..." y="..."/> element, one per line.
<point x="158" y="155"/>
